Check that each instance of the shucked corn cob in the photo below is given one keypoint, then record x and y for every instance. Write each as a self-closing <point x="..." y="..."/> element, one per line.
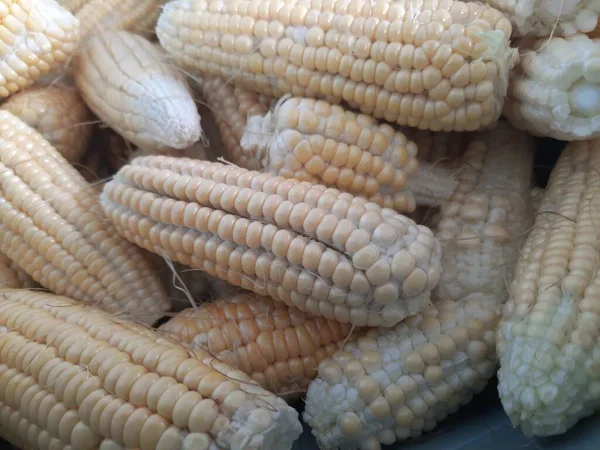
<point x="555" y="91"/>
<point x="432" y="65"/>
<point x="549" y="17"/>
<point x="12" y="276"/>
<point x="53" y="227"/>
<point x="231" y="106"/>
<point x="396" y="383"/>
<point x="74" y="377"/>
<point x="312" y="140"/>
<point x="277" y="345"/>
<point x="59" y="114"/>
<point x="38" y="37"/>
<point x="136" y="16"/>
<point x="548" y="340"/>
<point x="325" y="252"/>
<point x="127" y="82"/>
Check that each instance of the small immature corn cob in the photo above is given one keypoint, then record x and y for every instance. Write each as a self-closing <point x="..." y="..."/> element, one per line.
<point x="74" y="377"/>
<point x="396" y="383"/>
<point x="59" y="114"/>
<point x="555" y="91"/>
<point x="136" y="16"/>
<point x="312" y="140"/>
<point x="431" y="65"/>
<point x="52" y="226"/>
<point x="127" y="82"/>
<point x="549" y="17"/>
<point x="37" y="38"/>
<point x="276" y="345"/>
<point x="12" y="276"/>
<point x="231" y="106"/>
<point x="325" y="252"/>
<point x="548" y="340"/>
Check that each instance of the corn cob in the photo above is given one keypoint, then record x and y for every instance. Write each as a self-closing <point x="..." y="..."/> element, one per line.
<point x="396" y="383"/>
<point x="125" y="81"/>
<point x="276" y="345"/>
<point x="325" y="252"/>
<point x="556" y="90"/>
<point x="549" y="17"/>
<point x="136" y="16"/>
<point x="59" y="114"/>
<point x="231" y="106"/>
<point x="72" y="5"/>
<point x="12" y="277"/>
<point x="74" y="377"/>
<point x="548" y="337"/>
<point x="314" y="141"/>
<point x="38" y="37"/>
<point x="431" y="65"/>
<point x="53" y="227"/>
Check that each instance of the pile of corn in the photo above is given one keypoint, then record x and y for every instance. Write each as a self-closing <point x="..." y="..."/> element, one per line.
<point x="210" y="209"/>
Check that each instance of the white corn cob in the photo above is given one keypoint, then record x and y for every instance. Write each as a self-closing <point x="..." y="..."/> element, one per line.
<point x="38" y="36"/>
<point x="549" y="17"/>
<point x="323" y="251"/>
<point x="439" y="65"/>
<point x="555" y="91"/>
<point x="396" y="383"/>
<point x="128" y="83"/>
<point x="12" y="276"/>
<point x="76" y="378"/>
<point x="52" y="226"/>
<point x="549" y="336"/>
<point x="59" y="114"/>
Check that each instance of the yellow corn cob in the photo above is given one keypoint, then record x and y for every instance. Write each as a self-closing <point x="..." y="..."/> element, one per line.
<point x="72" y="5"/>
<point x="556" y="90"/>
<point x="325" y="252"/>
<point x="231" y="106"/>
<point x="548" y="337"/>
<point x="126" y="81"/>
<point x="59" y="114"/>
<point x="52" y="226"/>
<point x="396" y="383"/>
<point x="74" y="377"/>
<point x="12" y="276"/>
<point x="549" y="17"/>
<point x="312" y="140"/>
<point x="37" y="38"/>
<point x="433" y="65"/>
<point x="276" y="345"/>
<point x="137" y="16"/>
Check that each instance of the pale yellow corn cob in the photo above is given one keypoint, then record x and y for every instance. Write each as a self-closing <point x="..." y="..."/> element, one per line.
<point x="137" y="16"/>
<point x="38" y="36"/>
<point x="75" y="378"/>
<point x="431" y="65"/>
<point x="231" y="106"/>
<point x="12" y="276"/>
<point x="276" y="345"/>
<point x="549" y="17"/>
<point x="127" y="82"/>
<point x="52" y="226"/>
<point x="72" y="5"/>
<point x="59" y="114"/>
<point x="325" y="252"/>
<point x="312" y="140"/>
<point x="548" y="340"/>
<point x="555" y="91"/>
<point x="396" y="383"/>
